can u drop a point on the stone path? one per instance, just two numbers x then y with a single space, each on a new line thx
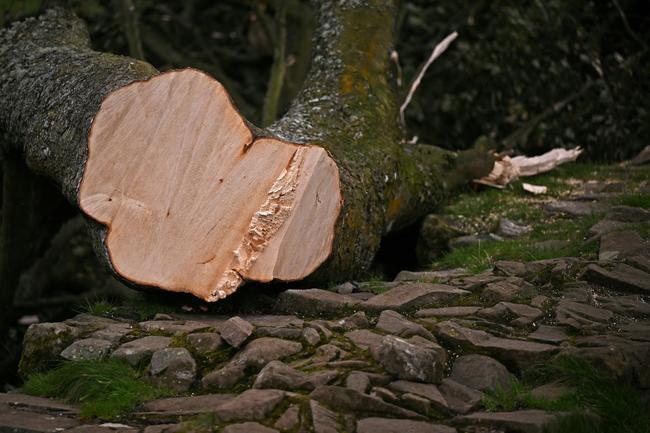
418 357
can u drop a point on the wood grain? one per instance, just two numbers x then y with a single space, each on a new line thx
193 201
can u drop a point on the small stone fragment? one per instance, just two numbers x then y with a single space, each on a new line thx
137 351
311 336
324 420
621 277
87 348
290 419
235 331
510 229
460 398
173 368
481 373
410 362
394 323
251 405
549 334
358 381
204 342
426 390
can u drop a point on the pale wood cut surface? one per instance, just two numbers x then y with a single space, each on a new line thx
195 203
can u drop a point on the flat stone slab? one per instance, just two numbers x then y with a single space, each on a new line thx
177 327
248 427
447 312
576 208
314 301
582 316
37 404
430 276
389 425
621 244
621 277
349 400
139 350
519 352
549 334
251 405
20 421
177 406
409 296
522 421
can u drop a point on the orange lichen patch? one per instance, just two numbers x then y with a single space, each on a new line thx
192 201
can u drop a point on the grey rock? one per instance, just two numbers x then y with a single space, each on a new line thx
522 421
549 334
278 375
87 348
349 400
628 214
409 361
539 301
582 316
345 288
642 263
176 327
358 381
621 244
162 316
621 277
204 342
311 336
365 339
518 352
426 390
389 425
394 323
418 404
384 394
460 398
476 282
324 420
255 355
510 268
575 208
507 290
173 368
551 391
140 350
515 314
430 276
289 420
235 331
182 406
113 333
314 301
248 427
469 240
42 344
251 405
447 311
408 296
605 226
224 377
632 305
510 229
481 373
278 332
357 320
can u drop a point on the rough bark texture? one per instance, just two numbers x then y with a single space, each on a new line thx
53 83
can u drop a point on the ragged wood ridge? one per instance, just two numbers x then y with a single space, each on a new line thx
192 201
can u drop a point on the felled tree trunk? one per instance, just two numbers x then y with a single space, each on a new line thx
184 195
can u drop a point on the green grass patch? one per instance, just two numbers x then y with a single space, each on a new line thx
636 200
104 388
618 406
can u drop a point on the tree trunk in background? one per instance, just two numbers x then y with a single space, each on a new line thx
53 85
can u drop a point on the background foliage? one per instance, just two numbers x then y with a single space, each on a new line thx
527 74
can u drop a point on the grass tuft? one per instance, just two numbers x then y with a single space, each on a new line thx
618 406
104 388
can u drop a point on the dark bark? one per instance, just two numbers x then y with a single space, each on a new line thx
53 83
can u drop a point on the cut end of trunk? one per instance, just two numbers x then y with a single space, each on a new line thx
193 201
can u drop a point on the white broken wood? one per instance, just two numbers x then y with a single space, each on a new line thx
534 189
508 169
